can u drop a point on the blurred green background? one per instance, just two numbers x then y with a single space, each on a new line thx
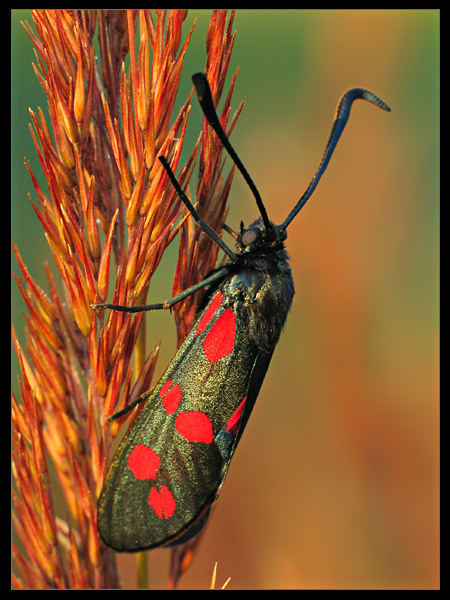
336 481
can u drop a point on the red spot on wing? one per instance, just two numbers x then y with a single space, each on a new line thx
144 462
162 502
233 421
209 313
219 340
194 426
171 396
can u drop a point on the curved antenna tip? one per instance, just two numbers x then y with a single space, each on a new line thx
339 123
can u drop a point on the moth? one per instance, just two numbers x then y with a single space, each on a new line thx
171 464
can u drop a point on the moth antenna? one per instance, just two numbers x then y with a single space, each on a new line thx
340 121
206 102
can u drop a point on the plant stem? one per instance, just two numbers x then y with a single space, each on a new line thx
139 360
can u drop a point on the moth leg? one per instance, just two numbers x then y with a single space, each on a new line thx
128 407
200 222
220 274
229 230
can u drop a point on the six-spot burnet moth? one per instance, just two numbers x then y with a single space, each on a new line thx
172 462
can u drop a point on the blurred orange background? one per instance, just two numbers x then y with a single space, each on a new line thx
336 480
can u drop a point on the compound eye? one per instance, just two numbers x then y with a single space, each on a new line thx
250 235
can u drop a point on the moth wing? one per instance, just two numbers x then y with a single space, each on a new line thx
167 469
228 437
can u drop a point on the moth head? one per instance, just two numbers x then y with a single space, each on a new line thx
258 236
